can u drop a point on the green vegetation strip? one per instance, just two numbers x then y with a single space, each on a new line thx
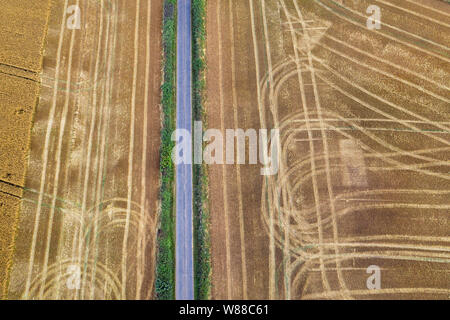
165 268
202 261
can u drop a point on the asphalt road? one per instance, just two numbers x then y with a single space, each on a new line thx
184 272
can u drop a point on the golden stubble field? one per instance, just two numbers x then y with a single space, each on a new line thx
17 104
87 226
364 118
23 28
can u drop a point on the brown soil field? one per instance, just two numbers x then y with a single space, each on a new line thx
87 226
23 28
364 177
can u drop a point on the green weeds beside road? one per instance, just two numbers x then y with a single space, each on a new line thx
165 261
202 261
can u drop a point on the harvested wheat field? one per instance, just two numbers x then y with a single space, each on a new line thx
17 101
364 176
23 28
87 226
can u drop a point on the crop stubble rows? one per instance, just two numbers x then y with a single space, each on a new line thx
22 33
364 121
91 192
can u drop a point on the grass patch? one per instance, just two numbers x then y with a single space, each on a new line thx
165 263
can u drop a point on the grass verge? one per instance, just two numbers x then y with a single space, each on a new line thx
202 261
165 263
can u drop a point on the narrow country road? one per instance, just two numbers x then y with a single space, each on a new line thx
184 272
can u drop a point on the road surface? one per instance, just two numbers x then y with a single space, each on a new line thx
184 272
